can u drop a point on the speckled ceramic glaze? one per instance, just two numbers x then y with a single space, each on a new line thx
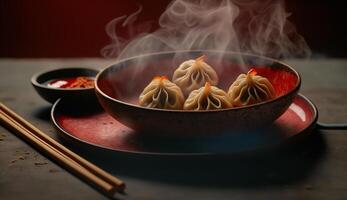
119 86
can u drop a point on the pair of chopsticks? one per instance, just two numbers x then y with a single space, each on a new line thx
89 172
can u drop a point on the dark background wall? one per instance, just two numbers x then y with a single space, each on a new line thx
55 28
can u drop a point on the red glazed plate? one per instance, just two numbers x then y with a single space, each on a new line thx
90 125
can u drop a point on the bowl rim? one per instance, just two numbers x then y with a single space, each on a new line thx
43 72
295 89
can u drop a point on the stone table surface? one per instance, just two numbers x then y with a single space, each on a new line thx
312 169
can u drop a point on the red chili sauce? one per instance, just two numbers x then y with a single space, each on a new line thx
72 82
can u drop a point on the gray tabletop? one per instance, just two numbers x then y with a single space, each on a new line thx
312 169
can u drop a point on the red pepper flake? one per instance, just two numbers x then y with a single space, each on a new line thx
252 72
160 78
82 82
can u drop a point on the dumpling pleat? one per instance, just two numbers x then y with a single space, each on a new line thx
249 89
212 99
191 76
162 94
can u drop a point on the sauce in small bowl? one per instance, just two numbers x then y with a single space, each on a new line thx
73 83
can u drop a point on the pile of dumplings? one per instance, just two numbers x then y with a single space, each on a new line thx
194 87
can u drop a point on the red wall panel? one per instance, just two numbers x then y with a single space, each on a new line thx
39 28
56 28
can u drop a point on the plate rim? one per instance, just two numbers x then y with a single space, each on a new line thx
64 133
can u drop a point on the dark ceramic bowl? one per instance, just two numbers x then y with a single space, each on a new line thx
39 81
119 86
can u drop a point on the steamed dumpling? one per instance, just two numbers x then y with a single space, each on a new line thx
162 93
250 88
207 98
193 74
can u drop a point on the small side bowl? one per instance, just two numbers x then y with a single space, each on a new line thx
51 94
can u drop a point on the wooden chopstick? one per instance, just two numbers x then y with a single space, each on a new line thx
44 147
108 177
86 170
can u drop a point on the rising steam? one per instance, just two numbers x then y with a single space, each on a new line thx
251 26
